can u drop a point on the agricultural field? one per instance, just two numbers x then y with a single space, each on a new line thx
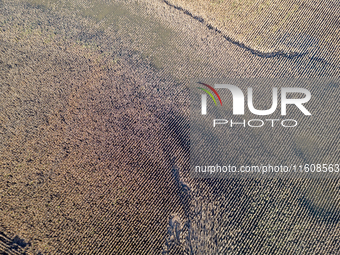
95 127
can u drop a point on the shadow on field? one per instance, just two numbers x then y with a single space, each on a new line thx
180 127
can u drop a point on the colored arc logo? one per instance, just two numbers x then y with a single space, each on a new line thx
209 93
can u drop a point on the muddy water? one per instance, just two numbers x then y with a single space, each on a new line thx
161 48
